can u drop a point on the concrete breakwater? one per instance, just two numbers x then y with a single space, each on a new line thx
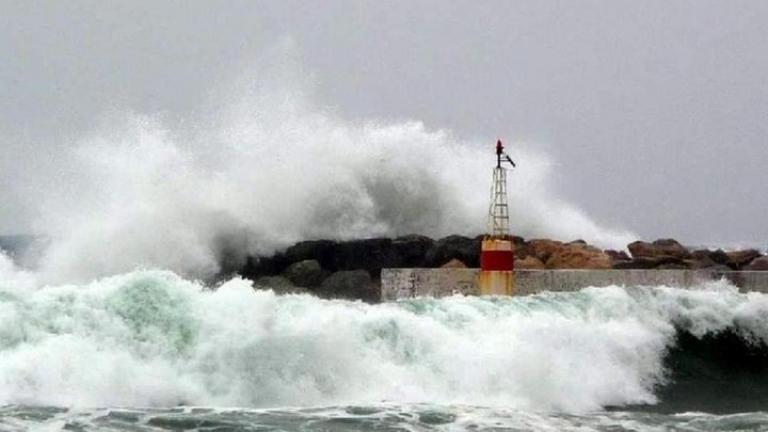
356 269
408 283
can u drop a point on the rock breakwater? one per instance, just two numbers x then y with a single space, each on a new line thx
352 269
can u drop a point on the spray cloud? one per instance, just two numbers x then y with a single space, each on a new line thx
264 167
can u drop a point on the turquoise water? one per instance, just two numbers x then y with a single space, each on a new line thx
149 350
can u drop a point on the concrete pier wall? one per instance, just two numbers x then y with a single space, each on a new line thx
405 283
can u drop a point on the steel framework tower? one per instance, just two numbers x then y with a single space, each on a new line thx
498 213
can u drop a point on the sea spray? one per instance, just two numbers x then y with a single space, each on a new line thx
152 338
262 167
12 277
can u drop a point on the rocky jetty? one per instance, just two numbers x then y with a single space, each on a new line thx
351 269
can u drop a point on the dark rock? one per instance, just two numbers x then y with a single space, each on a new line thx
700 263
464 249
529 263
307 273
412 249
661 247
251 268
671 261
369 254
352 285
706 259
719 256
700 254
256 267
758 264
641 249
645 263
673 266
543 249
520 247
671 247
517 239
742 258
322 251
617 255
635 264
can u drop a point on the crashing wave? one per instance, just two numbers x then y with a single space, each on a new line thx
152 338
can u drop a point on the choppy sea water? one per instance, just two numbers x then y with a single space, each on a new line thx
149 350
384 417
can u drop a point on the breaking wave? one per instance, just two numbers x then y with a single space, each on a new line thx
154 339
262 167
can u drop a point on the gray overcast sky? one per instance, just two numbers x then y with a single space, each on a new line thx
655 111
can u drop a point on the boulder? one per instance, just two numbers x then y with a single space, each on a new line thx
758 264
465 249
520 247
700 263
368 254
641 249
659 248
543 248
719 256
617 255
574 255
635 264
352 285
412 249
700 254
741 258
529 263
671 247
579 256
646 263
256 267
322 251
670 263
307 273
705 258
454 263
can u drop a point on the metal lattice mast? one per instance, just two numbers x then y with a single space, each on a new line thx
498 214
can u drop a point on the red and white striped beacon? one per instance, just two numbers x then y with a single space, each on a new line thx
497 256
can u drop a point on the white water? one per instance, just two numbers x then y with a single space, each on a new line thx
150 338
261 167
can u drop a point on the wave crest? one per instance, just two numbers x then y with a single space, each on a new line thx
106 343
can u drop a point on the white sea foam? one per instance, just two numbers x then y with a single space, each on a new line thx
151 338
14 278
263 167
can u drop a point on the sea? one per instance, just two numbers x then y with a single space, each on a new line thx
149 350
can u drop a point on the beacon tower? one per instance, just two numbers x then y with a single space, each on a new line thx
497 257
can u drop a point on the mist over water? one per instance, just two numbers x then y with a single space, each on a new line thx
262 166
